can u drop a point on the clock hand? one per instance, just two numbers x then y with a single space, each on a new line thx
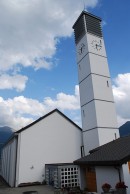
81 49
99 45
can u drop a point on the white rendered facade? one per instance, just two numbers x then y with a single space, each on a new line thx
9 155
126 176
99 121
107 174
53 139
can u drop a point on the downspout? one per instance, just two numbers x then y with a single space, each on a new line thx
119 172
16 152
82 147
17 159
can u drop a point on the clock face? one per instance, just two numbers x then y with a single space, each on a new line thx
81 48
97 45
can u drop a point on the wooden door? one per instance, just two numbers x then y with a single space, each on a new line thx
91 179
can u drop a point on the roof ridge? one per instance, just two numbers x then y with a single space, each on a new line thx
46 115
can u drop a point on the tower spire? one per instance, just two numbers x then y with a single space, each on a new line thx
83 5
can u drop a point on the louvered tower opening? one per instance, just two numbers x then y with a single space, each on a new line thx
87 23
79 29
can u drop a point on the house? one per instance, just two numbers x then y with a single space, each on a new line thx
108 163
53 138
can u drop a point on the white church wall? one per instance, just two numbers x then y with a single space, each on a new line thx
90 140
82 178
51 140
87 87
95 87
110 135
126 176
88 116
106 114
83 69
102 88
9 162
97 105
106 175
99 65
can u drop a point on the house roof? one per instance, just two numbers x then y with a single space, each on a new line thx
43 117
116 152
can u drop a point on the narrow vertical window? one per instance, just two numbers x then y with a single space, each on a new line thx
107 84
83 113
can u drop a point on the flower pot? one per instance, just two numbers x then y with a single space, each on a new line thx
106 190
121 191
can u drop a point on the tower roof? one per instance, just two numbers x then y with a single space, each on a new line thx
88 14
87 23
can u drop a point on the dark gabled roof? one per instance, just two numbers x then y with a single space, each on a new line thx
43 117
116 152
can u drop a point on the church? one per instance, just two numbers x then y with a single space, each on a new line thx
55 149
52 139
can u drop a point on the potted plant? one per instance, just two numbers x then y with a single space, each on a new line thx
106 187
121 187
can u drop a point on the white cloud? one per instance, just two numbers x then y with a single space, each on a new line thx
64 101
17 82
29 30
20 111
121 91
29 34
104 23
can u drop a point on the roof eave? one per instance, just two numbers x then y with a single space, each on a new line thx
98 163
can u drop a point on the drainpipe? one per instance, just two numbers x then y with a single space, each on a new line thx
82 147
119 172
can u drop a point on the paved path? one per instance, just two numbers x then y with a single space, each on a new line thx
41 189
2 183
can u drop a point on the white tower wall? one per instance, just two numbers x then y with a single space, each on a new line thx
97 105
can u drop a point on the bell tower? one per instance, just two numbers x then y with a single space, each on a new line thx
98 113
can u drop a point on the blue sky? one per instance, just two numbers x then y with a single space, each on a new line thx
38 70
